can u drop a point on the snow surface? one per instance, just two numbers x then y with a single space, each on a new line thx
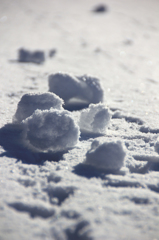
47 195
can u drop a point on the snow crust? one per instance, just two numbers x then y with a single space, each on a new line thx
51 130
85 88
106 156
95 119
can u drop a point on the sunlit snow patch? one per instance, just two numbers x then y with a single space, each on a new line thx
53 130
33 101
73 89
95 119
108 156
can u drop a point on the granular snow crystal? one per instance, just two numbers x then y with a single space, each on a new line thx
53 130
95 119
33 101
108 156
84 88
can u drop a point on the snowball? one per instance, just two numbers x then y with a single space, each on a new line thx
37 57
32 101
95 119
85 88
52 129
107 156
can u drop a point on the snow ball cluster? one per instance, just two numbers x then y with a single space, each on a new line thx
51 130
95 119
47 125
68 87
32 101
108 156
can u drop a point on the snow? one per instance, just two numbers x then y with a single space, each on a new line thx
95 119
51 130
52 195
85 88
37 57
33 101
107 156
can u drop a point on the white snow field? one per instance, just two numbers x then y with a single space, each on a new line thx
83 165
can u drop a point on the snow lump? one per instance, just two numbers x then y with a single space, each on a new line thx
51 130
84 88
95 119
107 156
26 56
33 101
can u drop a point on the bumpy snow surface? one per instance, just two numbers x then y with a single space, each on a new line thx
79 129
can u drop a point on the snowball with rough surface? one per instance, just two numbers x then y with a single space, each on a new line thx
85 88
33 101
52 129
107 156
95 119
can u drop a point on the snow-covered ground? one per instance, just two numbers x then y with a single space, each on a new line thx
107 185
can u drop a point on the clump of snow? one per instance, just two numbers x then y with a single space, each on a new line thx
37 57
33 101
52 129
100 8
108 156
95 119
68 87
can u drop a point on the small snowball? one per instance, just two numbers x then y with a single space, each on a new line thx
107 156
52 129
33 101
37 57
85 88
95 119
52 53
100 8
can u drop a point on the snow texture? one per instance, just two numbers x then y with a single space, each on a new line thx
71 195
27 56
107 156
70 88
95 119
52 129
33 101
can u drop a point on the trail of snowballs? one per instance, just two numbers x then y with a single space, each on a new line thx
49 127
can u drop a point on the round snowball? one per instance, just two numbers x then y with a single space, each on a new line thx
52 129
33 101
108 156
